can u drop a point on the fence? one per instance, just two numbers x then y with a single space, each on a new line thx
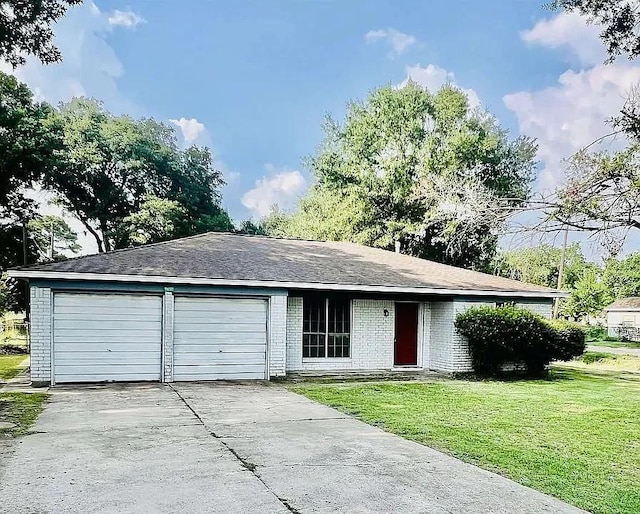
627 333
14 333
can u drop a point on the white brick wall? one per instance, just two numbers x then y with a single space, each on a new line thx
294 334
424 335
372 335
41 329
167 335
277 335
450 351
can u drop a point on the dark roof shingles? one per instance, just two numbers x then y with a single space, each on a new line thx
238 257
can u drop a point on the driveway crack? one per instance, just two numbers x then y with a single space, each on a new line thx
250 466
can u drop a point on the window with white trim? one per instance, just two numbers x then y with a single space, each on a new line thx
326 327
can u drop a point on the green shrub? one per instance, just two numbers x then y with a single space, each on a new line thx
596 333
569 340
504 335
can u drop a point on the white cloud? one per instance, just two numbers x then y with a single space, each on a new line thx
569 31
399 41
572 113
433 77
280 188
90 65
191 129
127 18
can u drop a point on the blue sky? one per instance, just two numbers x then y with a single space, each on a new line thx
254 79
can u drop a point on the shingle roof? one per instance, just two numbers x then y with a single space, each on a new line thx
631 303
256 258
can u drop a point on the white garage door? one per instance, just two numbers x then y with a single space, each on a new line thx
219 338
106 337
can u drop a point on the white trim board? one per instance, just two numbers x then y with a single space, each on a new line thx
159 279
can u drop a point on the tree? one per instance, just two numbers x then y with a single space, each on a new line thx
30 137
157 220
25 28
375 171
622 277
601 195
619 19
540 265
589 296
112 163
48 229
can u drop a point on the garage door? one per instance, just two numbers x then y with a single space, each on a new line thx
106 337
219 338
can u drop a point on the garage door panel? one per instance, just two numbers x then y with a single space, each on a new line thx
112 324
196 359
221 305
227 348
107 377
216 338
108 368
141 358
107 337
212 338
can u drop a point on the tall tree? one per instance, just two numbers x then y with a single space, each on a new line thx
619 18
53 237
540 265
622 277
30 139
375 173
25 28
112 163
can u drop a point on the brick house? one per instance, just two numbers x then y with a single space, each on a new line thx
225 306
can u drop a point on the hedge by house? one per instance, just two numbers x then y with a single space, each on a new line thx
500 336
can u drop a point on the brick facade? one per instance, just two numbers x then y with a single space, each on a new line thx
277 335
168 304
41 332
372 335
441 348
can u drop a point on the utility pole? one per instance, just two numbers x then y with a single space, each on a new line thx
556 305
25 261
53 241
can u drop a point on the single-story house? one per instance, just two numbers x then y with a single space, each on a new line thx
623 318
226 306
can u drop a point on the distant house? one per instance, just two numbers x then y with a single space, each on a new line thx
224 306
623 318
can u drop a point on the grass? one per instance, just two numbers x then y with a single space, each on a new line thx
21 409
574 435
601 361
611 343
10 365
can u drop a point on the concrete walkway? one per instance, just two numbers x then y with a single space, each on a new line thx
235 448
615 350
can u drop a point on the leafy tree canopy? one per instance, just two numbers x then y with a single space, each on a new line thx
619 18
622 277
376 172
48 229
25 29
540 265
30 137
113 163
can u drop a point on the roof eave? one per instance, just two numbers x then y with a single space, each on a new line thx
155 279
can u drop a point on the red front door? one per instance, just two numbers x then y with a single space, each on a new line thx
406 343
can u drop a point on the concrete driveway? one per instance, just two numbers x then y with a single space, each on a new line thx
235 448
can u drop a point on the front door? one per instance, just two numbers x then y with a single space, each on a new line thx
406 341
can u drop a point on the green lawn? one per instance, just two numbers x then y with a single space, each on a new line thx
614 344
575 435
10 365
21 409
